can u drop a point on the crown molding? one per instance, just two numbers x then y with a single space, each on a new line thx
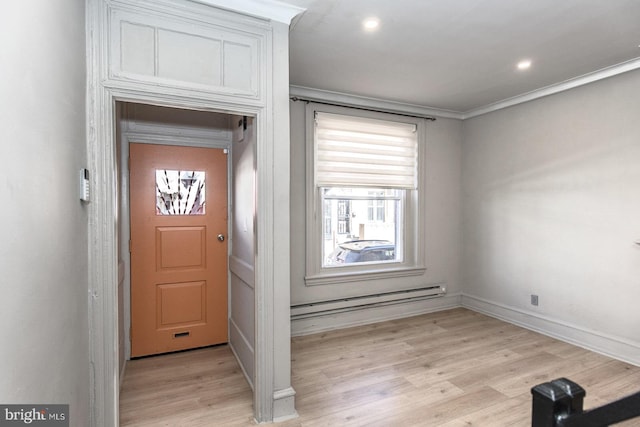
349 100
399 107
555 88
266 9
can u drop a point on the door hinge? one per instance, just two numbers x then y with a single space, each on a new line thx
129 245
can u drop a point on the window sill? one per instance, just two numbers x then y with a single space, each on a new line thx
357 276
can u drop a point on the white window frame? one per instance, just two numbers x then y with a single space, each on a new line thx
412 263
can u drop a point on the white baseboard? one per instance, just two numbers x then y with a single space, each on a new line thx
284 405
242 350
606 344
122 371
373 314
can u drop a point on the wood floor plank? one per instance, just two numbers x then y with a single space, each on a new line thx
454 368
503 414
182 388
517 384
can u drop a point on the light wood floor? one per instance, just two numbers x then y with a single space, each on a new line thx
453 368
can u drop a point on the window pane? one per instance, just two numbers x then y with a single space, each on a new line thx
180 192
362 225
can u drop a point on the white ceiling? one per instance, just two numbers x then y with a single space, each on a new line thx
457 55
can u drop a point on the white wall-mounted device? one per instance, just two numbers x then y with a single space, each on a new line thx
84 185
239 130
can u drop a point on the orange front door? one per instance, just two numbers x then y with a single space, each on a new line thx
178 203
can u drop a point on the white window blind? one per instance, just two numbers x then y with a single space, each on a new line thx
355 151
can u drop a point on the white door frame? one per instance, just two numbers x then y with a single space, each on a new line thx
273 395
103 258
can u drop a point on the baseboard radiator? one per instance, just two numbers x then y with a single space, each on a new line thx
323 308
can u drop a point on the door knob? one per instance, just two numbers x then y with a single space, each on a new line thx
221 237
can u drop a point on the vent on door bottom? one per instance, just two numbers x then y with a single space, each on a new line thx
181 334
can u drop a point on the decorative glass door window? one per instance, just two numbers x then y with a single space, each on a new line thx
180 192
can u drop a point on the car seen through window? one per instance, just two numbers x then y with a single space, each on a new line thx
362 251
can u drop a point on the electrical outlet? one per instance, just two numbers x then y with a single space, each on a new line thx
534 299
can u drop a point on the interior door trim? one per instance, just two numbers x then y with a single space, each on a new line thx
271 112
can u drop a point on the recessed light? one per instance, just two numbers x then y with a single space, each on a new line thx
524 64
371 24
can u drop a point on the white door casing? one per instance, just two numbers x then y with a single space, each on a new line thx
263 93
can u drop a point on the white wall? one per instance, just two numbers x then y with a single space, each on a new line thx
43 249
242 260
551 206
441 221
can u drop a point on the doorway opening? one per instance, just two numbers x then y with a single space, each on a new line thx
178 305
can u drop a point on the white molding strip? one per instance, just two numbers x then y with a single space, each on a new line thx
243 270
265 9
245 353
359 276
219 137
608 345
555 88
184 141
372 314
366 102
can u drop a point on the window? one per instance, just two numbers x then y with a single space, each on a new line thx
363 171
362 218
